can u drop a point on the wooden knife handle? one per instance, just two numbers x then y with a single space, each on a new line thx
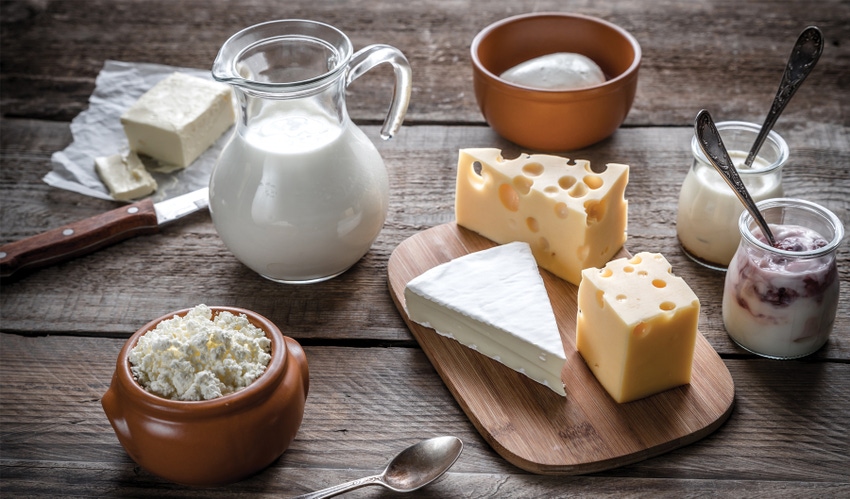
78 238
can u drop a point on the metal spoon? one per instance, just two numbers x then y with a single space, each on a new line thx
803 58
712 146
411 469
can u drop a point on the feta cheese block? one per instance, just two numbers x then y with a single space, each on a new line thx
493 301
572 217
179 118
637 326
125 176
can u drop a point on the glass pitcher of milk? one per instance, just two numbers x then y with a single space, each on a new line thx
299 193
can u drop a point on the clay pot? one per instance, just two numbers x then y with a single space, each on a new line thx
554 120
218 441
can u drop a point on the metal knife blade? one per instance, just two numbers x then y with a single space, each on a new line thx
86 236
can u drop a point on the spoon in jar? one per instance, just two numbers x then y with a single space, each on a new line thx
712 146
412 469
803 58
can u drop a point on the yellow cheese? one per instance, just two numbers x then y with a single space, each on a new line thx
571 217
636 327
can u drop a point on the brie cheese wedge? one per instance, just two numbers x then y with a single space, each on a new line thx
493 301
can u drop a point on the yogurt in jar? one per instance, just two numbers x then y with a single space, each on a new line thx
780 302
708 209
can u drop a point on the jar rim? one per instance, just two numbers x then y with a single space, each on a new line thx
225 66
837 227
772 136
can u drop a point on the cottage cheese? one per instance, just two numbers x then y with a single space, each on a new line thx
200 356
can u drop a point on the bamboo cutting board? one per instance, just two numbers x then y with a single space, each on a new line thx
531 426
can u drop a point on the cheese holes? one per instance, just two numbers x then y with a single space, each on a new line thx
532 224
533 169
667 306
593 181
476 167
582 253
600 298
578 191
621 298
550 190
509 197
606 272
595 211
628 269
566 182
641 330
659 283
636 260
544 244
561 210
522 184
643 273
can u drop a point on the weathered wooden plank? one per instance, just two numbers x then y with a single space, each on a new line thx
59 480
786 426
52 51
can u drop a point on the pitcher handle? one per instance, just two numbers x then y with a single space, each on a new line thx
369 57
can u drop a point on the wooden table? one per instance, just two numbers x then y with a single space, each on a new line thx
372 390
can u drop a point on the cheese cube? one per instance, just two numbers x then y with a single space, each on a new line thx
572 217
179 118
637 326
125 176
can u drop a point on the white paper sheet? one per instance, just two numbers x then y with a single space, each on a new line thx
97 132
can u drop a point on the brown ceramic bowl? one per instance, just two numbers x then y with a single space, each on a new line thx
218 441
554 120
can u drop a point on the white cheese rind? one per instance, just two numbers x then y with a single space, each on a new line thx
493 301
125 176
179 118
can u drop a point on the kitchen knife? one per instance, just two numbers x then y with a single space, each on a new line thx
86 236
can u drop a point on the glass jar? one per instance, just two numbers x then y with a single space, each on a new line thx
780 302
708 211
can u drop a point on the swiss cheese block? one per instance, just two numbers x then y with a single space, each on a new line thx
125 176
493 301
179 118
636 326
572 217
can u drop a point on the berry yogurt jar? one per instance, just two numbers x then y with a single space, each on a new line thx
780 301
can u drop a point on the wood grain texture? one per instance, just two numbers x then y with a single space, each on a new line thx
374 391
527 423
371 402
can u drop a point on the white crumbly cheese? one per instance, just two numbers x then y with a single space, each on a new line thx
125 176
494 301
179 118
200 356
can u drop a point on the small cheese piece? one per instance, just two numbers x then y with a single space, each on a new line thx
125 176
572 217
179 118
637 326
493 301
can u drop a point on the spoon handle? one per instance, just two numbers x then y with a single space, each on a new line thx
804 56
343 487
712 145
